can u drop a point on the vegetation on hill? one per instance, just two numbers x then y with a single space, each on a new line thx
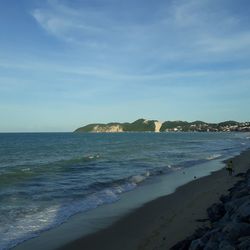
169 125
139 126
142 125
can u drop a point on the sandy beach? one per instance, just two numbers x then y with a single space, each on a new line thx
167 220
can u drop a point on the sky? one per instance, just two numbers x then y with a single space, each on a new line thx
67 63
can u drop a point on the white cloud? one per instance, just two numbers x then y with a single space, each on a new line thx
236 42
184 26
184 32
203 28
71 25
52 24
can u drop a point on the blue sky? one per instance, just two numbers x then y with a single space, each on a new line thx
67 63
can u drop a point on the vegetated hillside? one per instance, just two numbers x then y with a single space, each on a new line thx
228 123
100 127
171 125
139 125
142 125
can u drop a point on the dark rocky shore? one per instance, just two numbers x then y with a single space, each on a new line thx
229 222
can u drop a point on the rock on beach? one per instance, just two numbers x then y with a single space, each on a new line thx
229 219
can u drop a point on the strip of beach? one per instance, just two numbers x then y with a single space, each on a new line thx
162 223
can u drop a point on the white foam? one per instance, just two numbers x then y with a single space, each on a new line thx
214 156
25 169
26 227
94 156
139 178
32 225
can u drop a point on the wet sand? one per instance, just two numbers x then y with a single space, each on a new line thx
163 222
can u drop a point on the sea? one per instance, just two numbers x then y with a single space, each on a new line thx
46 178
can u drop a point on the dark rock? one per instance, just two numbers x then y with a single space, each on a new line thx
234 230
241 175
248 183
216 237
211 235
238 186
244 245
197 245
243 212
226 245
243 192
241 239
200 232
216 211
225 198
211 245
230 222
233 205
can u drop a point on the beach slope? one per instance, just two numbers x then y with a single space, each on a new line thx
162 223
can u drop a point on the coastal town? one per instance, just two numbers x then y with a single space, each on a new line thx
230 126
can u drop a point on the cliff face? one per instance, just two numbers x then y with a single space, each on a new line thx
158 126
107 128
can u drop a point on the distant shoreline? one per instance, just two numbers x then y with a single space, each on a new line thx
143 125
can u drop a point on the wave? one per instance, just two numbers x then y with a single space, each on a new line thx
18 173
68 162
139 178
31 225
77 160
213 156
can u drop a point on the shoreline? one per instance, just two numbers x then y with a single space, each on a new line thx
163 222
97 224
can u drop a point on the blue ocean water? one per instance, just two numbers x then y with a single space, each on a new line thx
47 177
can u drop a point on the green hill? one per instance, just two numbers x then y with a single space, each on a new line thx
142 125
139 125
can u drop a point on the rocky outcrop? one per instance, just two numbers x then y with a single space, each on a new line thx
230 222
107 129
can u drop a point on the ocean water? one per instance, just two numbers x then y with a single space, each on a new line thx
45 178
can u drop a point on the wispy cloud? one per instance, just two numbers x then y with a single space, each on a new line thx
71 25
190 30
211 29
112 75
228 44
